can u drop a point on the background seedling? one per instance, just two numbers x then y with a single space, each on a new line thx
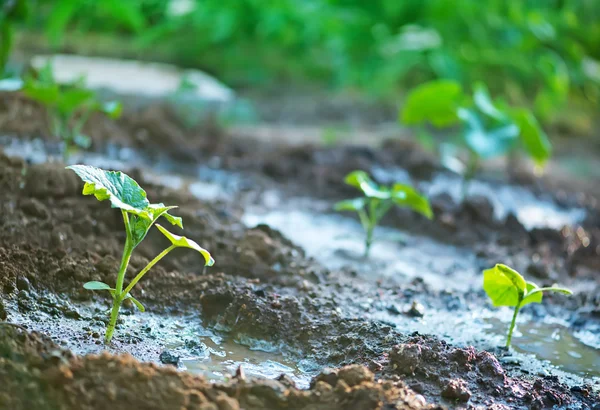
69 107
488 128
506 287
378 200
138 215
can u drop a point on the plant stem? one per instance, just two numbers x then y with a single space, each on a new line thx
512 324
118 298
146 269
368 240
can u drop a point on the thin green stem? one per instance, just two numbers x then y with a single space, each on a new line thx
117 300
513 323
146 269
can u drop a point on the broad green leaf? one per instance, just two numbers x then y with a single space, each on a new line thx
362 181
47 94
95 285
62 12
532 136
120 189
136 302
351 204
406 196
73 99
435 102
503 285
535 297
183 242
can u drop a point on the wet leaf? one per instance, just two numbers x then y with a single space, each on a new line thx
141 224
435 102
484 103
531 297
487 143
183 242
113 109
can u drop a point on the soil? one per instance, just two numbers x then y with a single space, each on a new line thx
265 286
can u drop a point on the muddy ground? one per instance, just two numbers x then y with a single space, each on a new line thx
368 335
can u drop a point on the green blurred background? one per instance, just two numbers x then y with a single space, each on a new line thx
544 54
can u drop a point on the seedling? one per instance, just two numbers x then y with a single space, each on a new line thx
489 128
378 200
506 287
69 107
138 215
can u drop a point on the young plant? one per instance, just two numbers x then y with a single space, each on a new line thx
378 200
489 129
138 215
506 287
69 107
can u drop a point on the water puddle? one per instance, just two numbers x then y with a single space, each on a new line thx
338 241
552 341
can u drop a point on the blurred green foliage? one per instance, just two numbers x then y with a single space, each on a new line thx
535 51
488 128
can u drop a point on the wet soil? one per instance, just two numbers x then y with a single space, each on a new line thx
270 289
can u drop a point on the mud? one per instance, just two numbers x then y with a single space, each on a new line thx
283 283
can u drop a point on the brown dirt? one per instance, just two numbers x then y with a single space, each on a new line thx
52 239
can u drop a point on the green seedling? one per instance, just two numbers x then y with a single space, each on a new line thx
378 200
489 128
506 287
69 107
138 215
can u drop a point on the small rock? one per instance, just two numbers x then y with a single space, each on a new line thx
286 381
355 374
416 310
3 314
33 207
457 389
393 309
168 357
23 283
417 387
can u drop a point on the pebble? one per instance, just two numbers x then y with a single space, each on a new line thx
416 310
168 357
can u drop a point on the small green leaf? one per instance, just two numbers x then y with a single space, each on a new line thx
504 285
95 285
136 302
530 295
435 102
362 181
350 204
113 109
484 103
183 242
406 196
121 190
141 224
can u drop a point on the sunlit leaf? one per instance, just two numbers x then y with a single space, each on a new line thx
95 285
435 102
136 302
532 136
503 285
183 242
362 181
120 189
407 196
350 204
